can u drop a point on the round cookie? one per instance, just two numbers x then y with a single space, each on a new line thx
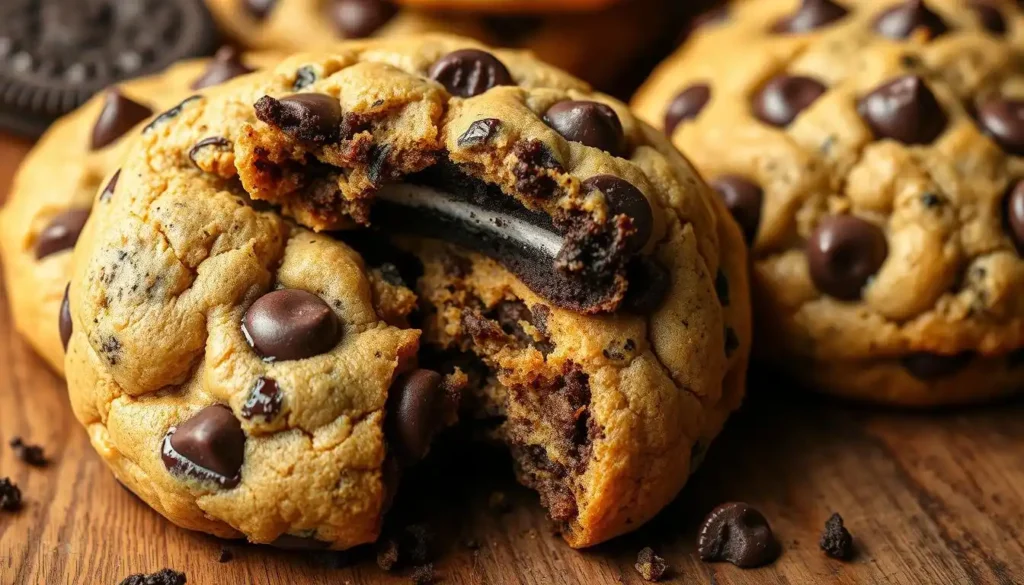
55 185
576 42
573 280
871 151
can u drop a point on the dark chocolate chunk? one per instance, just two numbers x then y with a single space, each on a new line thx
61 233
108 191
259 9
744 200
930 366
170 114
226 555
902 20
210 446
10 495
469 72
64 321
30 454
164 577
226 64
264 400
843 253
313 117
722 288
686 105
624 199
990 16
1003 120
782 99
811 15
650 566
589 123
836 540
903 109
304 77
736 533
218 142
648 284
291 324
416 412
119 115
479 132
1014 214
357 19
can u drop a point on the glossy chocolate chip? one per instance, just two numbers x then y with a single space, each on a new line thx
782 99
226 64
905 110
625 199
686 105
990 16
929 366
264 400
357 19
1003 120
61 233
291 324
739 534
108 191
469 72
479 132
313 117
64 321
843 253
119 115
744 200
259 9
811 15
589 123
900 21
210 446
417 412
215 142
170 114
1014 214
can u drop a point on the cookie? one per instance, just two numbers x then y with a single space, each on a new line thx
871 152
56 55
576 42
53 191
299 274
512 6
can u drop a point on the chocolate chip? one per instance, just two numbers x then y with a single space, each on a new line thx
782 99
1014 214
357 19
64 321
739 534
469 72
226 64
304 77
30 454
210 446
293 542
108 191
902 20
1003 120
686 105
589 123
313 117
650 566
648 285
812 14
479 132
259 9
164 577
264 400
416 412
623 198
170 114
218 142
930 366
61 233
836 540
119 115
291 324
10 495
989 15
226 555
743 199
905 110
732 342
722 288
843 253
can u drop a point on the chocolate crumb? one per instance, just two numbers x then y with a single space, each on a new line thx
423 575
226 555
31 454
164 577
10 495
836 540
650 566
387 554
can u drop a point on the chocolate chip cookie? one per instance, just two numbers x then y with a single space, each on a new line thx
871 152
53 191
301 277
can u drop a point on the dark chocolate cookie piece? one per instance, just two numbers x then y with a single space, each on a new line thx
55 54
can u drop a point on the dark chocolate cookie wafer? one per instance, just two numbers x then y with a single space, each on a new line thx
55 54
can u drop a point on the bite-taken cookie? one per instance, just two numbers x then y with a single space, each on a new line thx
489 228
54 55
577 42
54 188
872 153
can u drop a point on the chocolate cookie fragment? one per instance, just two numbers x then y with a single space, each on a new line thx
836 540
210 446
10 495
163 577
650 566
738 534
30 454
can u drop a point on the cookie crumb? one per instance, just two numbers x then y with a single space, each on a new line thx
10 495
226 555
836 540
164 577
387 555
650 566
30 454
423 575
498 502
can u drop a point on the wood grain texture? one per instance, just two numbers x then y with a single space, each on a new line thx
931 499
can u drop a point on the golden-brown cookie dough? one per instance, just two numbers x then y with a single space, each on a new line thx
871 150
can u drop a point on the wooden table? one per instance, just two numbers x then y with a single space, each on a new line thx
933 499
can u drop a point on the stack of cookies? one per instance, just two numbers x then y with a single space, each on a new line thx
272 280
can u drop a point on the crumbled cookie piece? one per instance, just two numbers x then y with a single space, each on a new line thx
650 566
836 540
739 534
226 555
30 454
163 577
10 495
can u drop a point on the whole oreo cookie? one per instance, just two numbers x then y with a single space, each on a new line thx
55 54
